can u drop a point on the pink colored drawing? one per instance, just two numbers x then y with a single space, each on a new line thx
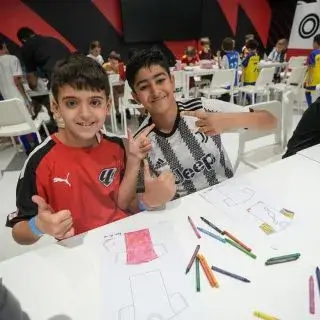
139 247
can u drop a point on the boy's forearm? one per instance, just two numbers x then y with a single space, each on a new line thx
128 186
22 233
261 120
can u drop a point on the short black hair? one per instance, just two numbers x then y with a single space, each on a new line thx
227 44
145 59
114 55
2 45
94 44
316 39
252 44
79 72
24 33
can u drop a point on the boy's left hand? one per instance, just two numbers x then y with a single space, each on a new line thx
139 146
211 123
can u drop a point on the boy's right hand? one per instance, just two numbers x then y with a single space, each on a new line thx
56 224
158 190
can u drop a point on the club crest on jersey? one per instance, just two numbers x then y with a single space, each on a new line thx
107 175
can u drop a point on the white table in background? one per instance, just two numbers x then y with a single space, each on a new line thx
196 71
312 153
64 279
38 93
270 64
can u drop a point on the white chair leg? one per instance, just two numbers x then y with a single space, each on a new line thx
13 142
38 136
45 129
252 98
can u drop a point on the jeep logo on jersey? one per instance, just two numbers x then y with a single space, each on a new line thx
206 162
107 175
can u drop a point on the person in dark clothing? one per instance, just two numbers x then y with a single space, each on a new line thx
307 133
40 53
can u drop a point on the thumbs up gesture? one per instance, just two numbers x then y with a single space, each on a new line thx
158 190
56 224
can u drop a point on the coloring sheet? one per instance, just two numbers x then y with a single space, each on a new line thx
246 202
143 276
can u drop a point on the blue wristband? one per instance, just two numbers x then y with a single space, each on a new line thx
33 227
141 205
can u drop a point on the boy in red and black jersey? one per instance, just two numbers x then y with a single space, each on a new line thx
79 179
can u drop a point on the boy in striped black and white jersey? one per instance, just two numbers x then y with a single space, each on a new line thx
186 138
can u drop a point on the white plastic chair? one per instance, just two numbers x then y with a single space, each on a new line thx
222 82
263 82
246 136
294 62
15 120
179 83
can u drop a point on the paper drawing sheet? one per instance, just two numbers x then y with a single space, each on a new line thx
246 202
143 276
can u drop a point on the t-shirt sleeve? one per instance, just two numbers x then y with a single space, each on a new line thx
27 186
16 68
224 62
245 61
311 59
215 105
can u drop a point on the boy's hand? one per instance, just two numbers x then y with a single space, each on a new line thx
139 146
57 225
212 123
158 190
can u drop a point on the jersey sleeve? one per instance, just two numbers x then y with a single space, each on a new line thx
245 61
311 59
224 62
27 186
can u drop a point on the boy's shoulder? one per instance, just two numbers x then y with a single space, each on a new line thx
113 140
190 104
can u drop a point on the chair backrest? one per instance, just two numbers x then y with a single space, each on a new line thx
223 78
295 62
265 77
297 75
273 107
178 78
127 92
287 116
14 112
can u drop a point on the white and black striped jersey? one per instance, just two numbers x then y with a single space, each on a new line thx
198 161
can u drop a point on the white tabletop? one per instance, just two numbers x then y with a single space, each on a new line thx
65 279
312 153
269 64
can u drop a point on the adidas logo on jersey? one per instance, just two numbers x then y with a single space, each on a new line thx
205 163
160 163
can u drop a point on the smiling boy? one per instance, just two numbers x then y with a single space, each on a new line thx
79 179
180 141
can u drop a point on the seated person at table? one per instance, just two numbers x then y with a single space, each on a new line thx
95 52
116 66
190 58
278 54
205 52
231 59
313 75
307 132
190 148
79 179
250 64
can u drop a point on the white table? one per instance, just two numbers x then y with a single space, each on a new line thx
65 279
270 64
196 72
38 93
312 153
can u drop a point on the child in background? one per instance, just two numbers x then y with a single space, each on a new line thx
190 58
116 66
250 64
205 52
95 52
231 59
245 51
313 74
278 54
79 179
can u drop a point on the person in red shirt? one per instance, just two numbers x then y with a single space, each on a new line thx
205 52
190 58
79 179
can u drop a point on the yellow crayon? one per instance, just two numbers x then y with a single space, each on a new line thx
264 316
